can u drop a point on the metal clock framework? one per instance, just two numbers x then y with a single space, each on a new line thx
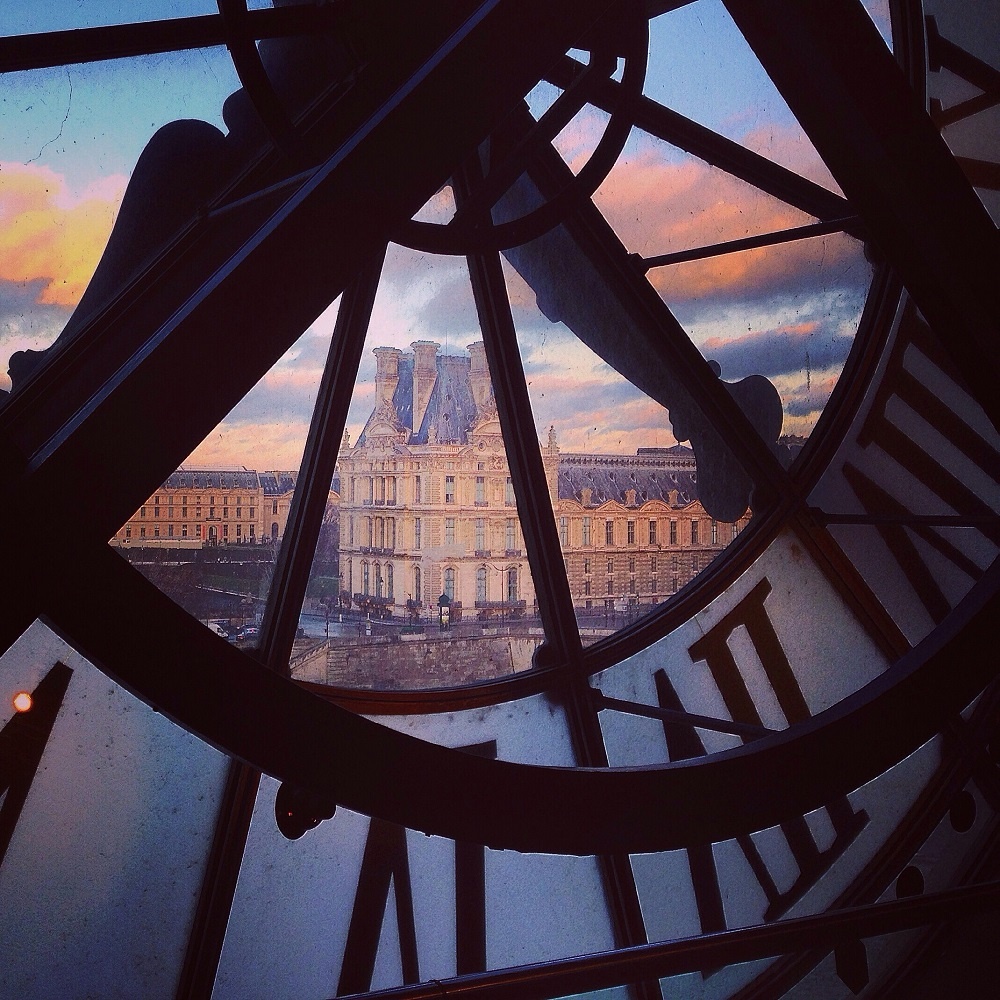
742 740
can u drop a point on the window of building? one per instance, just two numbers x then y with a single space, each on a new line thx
211 512
274 507
509 536
586 565
416 584
564 531
274 531
652 564
128 531
449 583
142 531
239 530
365 583
378 579
586 588
695 564
586 531
449 531
389 574
156 531
449 489
481 584
652 532
715 532
251 513
184 511
673 585
416 489
609 532
390 532
170 531
611 565
508 497
673 564
654 586
694 531
631 586
142 512
184 531
370 531
673 532
610 587
239 511
631 532
170 511
631 564
379 533
156 512
512 584
391 491
225 531
416 533
480 489
480 534
253 528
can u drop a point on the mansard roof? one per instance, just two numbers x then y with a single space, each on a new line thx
277 483
212 479
653 473
451 409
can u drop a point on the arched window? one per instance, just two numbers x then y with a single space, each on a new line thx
378 580
274 530
416 584
364 578
481 584
388 581
512 584
449 583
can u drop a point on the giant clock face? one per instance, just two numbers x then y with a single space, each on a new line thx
808 725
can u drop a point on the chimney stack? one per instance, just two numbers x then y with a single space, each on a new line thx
386 373
479 374
424 377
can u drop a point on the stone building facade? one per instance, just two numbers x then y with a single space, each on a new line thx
427 504
197 507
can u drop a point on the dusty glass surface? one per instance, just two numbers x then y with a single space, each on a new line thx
105 859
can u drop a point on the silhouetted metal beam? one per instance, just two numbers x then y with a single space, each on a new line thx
121 41
854 102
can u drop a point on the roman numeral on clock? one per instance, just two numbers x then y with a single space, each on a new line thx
22 743
385 864
949 462
683 742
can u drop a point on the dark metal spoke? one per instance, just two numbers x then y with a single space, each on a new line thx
121 41
751 242
333 399
745 730
715 149
854 102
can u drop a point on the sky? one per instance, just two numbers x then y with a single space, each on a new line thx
69 138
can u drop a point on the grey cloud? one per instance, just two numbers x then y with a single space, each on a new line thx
779 352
